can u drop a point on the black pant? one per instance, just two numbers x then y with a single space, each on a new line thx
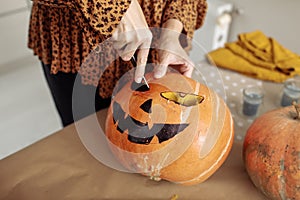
72 99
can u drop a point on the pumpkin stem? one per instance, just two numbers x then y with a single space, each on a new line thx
297 107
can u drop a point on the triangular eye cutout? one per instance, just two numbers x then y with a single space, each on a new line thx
146 106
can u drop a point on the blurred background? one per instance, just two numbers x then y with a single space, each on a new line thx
27 112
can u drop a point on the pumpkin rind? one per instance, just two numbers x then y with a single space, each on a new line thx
271 154
189 157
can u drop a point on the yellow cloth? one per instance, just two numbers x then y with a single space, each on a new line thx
256 55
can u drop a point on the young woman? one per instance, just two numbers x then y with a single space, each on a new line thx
63 33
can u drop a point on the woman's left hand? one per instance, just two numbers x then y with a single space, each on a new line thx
171 53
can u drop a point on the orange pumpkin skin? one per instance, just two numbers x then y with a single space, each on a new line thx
271 154
191 156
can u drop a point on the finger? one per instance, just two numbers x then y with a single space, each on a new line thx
188 68
127 56
142 57
160 70
138 39
183 65
125 46
118 37
188 71
128 51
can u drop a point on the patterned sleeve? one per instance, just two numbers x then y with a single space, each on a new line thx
98 18
190 12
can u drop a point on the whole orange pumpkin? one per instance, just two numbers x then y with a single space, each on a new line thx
271 153
177 129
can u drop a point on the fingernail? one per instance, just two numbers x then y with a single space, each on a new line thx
126 58
138 80
158 74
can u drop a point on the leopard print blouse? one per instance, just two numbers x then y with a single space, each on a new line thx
66 34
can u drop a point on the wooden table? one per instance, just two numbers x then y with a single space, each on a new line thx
60 167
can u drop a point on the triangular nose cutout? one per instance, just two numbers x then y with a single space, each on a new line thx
146 106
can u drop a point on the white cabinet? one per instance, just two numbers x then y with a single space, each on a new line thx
14 20
214 32
8 6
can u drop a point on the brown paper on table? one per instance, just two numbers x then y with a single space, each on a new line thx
59 167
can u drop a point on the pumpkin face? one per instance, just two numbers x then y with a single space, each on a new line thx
177 129
272 154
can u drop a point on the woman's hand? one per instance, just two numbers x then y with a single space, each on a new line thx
133 35
171 53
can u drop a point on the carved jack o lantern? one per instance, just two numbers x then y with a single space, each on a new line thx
177 129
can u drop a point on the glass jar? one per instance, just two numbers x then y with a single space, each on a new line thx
291 92
252 99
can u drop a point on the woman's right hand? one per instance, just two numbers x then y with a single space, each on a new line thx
133 35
